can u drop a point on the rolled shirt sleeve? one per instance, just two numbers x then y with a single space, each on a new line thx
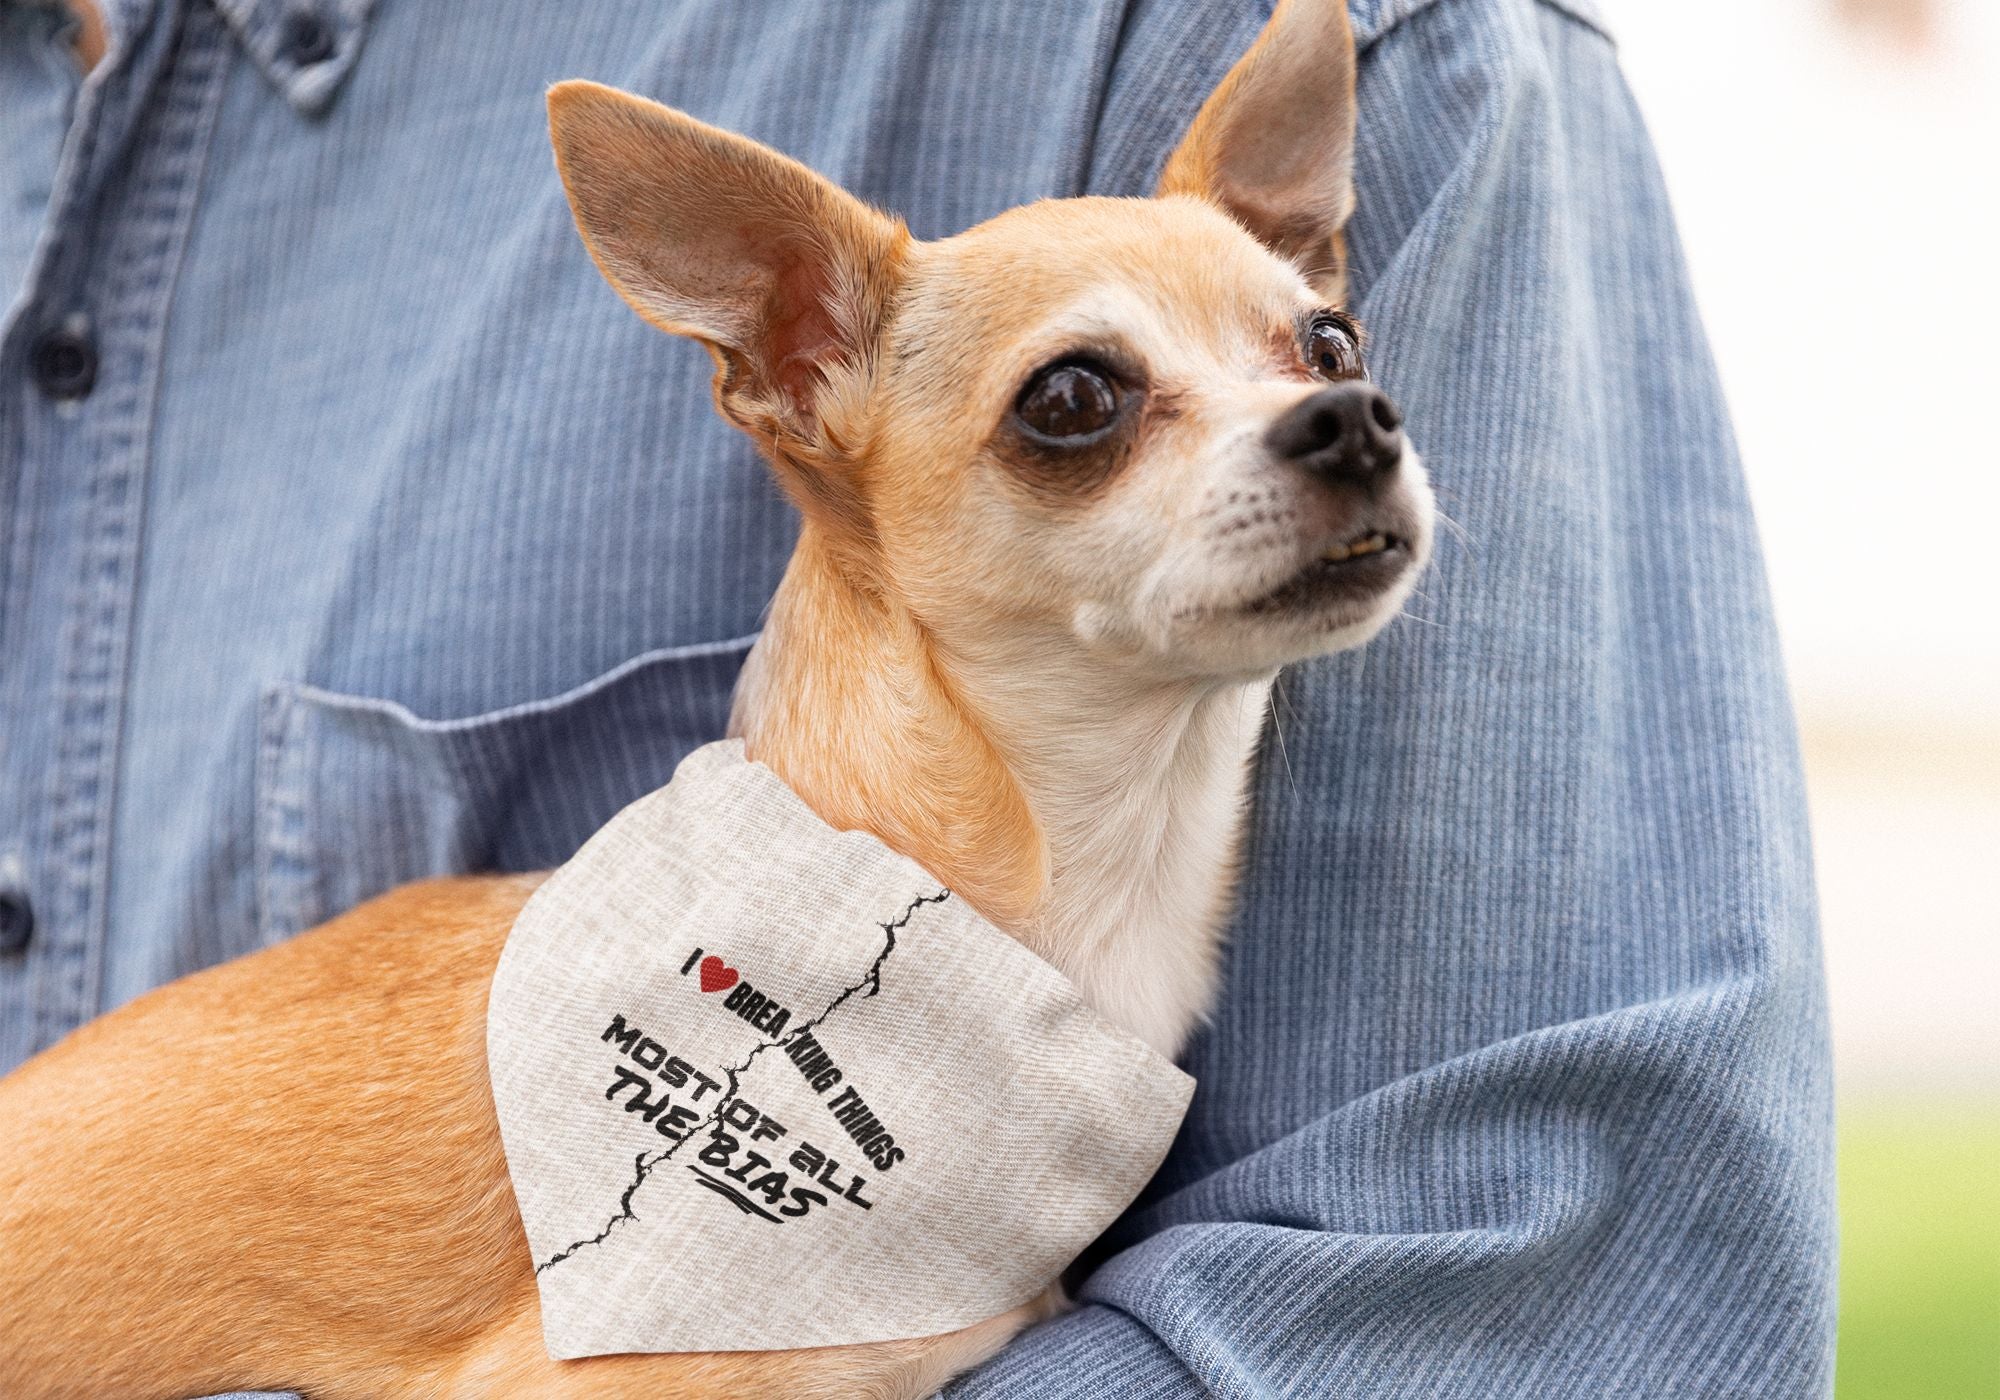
1519 1082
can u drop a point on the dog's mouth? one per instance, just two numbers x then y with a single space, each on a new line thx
1352 571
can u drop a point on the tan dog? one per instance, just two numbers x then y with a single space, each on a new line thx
1075 484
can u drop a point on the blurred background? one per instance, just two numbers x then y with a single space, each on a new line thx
1836 168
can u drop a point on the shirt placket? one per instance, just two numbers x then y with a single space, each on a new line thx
84 352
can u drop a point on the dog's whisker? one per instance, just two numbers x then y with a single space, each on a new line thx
1464 535
1278 728
1461 534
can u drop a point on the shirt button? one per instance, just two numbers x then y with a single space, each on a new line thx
64 360
308 38
17 921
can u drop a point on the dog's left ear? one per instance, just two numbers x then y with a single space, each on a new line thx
1274 144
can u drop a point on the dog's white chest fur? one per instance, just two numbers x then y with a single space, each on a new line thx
1145 855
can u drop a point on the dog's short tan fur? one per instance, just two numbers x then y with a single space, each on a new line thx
1044 690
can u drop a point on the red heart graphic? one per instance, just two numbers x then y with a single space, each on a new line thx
716 975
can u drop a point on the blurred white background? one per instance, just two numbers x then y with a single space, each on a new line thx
1835 165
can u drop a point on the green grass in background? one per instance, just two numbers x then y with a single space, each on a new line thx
1919 1251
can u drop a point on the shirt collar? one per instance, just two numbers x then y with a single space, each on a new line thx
304 48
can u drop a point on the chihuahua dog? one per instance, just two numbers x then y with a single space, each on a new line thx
1074 485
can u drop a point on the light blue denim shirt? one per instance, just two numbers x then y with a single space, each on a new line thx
353 531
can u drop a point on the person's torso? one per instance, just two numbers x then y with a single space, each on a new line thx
354 531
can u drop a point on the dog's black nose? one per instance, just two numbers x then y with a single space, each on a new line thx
1346 432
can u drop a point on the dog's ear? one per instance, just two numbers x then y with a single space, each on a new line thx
1274 144
783 275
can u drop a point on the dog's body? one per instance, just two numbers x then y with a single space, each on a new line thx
1072 492
309 1192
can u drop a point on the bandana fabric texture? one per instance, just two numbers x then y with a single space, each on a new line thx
763 1084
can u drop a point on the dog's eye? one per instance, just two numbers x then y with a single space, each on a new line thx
1068 402
1333 349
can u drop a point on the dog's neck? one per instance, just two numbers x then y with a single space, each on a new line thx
1091 814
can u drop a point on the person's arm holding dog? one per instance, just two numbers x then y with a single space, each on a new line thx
1519 1084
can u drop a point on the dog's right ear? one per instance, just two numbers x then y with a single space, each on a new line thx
1274 144
783 275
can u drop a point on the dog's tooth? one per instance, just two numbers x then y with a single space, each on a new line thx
1338 553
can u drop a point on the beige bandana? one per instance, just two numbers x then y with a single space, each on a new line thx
764 1084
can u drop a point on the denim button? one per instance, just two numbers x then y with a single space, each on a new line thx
17 921
308 38
64 361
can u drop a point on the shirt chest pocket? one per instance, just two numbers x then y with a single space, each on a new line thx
357 795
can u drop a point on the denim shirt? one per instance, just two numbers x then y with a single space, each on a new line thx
353 532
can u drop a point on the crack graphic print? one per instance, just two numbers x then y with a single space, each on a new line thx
869 984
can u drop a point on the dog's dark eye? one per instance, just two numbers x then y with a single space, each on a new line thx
1068 402
1333 349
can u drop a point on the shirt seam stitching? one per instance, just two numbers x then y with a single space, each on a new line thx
1572 10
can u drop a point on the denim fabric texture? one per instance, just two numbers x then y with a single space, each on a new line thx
387 542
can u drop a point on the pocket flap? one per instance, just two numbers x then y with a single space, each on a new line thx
357 795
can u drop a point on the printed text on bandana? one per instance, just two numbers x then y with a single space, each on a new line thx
765 1168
